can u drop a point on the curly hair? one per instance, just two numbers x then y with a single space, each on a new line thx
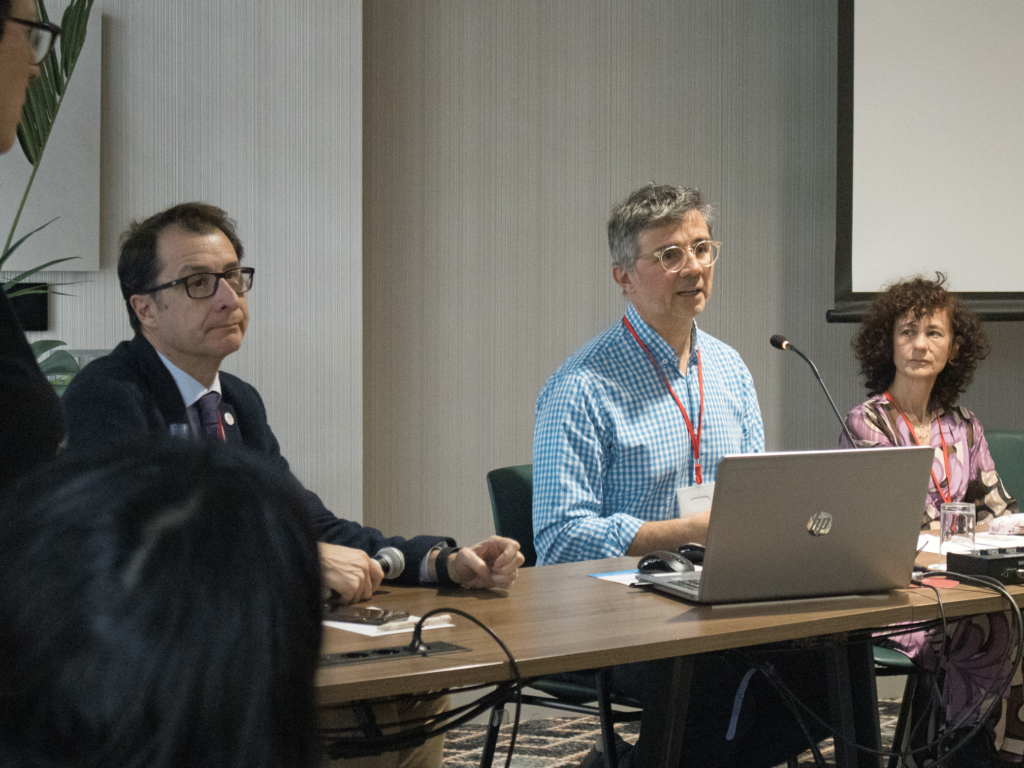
873 344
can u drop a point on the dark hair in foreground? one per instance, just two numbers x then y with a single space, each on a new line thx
654 205
138 266
873 344
159 608
5 14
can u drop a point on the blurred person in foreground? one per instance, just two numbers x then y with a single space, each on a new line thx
31 428
918 348
159 608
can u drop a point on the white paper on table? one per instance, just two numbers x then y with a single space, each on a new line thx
995 540
392 627
619 577
626 578
929 542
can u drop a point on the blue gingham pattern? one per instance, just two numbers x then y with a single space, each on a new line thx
610 446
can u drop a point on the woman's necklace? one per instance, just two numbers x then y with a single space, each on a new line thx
924 432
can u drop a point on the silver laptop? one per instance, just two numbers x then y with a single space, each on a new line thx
809 524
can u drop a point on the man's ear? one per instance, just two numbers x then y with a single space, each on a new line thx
624 279
145 308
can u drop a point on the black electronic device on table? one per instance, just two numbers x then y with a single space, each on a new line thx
692 552
1005 564
356 614
662 561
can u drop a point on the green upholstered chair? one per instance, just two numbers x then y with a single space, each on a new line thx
890 663
1008 453
511 490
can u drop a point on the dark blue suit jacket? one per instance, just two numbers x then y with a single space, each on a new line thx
130 396
31 429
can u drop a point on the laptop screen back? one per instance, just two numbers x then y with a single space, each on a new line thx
815 523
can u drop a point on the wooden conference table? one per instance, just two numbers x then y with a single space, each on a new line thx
558 619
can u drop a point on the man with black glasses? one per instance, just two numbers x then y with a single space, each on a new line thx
185 290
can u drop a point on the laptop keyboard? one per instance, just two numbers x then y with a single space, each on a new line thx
683 578
688 583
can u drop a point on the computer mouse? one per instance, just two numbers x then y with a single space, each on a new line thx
664 562
692 552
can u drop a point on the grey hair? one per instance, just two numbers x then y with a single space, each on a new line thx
650 206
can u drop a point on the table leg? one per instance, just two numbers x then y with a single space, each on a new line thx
853 704
664 713
864 693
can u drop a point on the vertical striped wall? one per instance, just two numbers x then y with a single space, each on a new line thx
255 106
498 134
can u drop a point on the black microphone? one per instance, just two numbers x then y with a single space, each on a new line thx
781 342
392 561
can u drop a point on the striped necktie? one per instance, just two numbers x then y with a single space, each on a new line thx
209 417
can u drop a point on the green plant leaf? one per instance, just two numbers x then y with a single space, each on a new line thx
11 249
59 363
40 348
28 273
62 293
73 23
28 290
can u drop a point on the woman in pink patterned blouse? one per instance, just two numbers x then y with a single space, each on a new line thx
918 348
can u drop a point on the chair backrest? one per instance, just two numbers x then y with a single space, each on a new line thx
511 490
1008 453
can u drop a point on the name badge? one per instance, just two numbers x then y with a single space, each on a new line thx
691 499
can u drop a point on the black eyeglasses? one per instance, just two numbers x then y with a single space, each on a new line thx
202 285
42 36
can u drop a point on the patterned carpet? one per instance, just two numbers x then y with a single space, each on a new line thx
563 742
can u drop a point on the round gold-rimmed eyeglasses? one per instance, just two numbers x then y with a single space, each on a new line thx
673 258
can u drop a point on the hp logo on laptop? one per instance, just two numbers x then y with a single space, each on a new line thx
819 524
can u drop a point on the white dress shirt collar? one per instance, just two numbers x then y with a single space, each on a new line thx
190 389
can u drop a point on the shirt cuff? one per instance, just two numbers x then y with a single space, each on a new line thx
424 570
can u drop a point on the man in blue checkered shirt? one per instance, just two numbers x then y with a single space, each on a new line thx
645 406
641 411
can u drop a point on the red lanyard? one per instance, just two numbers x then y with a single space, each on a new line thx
694 436
947 496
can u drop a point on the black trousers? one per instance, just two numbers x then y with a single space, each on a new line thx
727 728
